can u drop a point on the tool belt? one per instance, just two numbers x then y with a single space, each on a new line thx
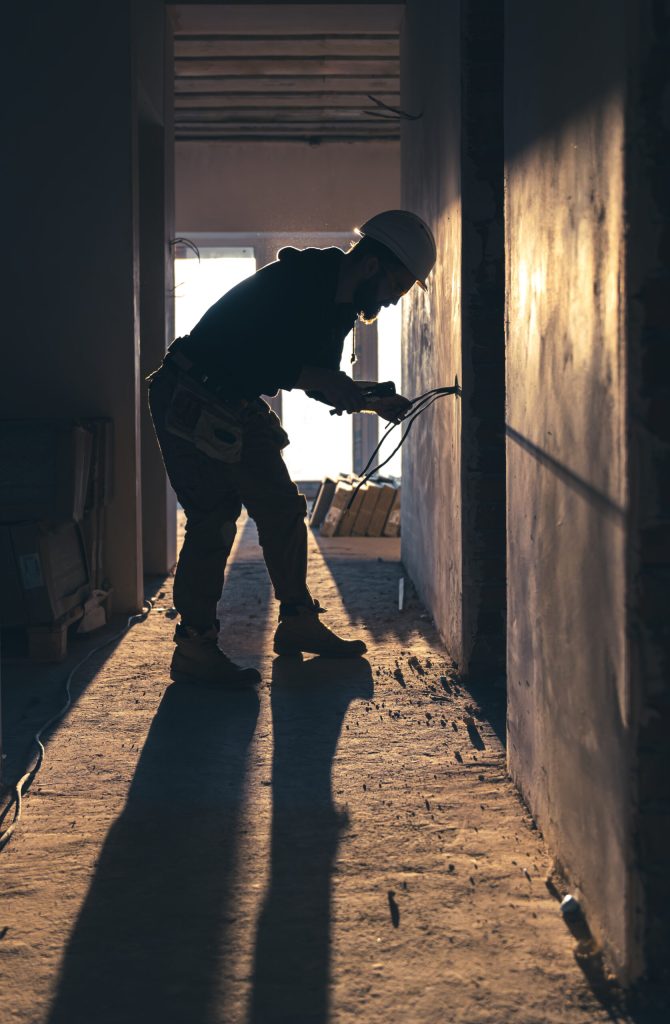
211 427
178 362
200 413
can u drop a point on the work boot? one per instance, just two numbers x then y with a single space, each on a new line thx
198 658
300 630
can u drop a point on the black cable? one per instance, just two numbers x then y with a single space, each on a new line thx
188 244
410 422
387 433
27 779
417 406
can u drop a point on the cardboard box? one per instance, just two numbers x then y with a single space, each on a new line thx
322 502
392 525
381 510
368 505
45 574
350 515
337 506
44 470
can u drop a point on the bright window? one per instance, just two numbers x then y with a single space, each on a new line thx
199 283
321 444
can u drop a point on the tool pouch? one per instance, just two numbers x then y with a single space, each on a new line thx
212 427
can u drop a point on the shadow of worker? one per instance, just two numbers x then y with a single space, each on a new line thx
147 944
291 977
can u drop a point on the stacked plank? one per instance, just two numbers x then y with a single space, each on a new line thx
55 479
343 509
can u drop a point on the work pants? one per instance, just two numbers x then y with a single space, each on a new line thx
212 493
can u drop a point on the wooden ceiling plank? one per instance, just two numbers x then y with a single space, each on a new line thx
305 126
286 66
342 135
271 115
289 47
260 101
227 84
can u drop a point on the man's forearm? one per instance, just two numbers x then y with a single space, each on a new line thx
309 379
333 387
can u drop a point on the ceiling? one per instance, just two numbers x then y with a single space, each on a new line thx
288 72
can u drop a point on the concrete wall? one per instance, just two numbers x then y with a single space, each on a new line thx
79 295
569 714
431 507
277 186
70 173
585 377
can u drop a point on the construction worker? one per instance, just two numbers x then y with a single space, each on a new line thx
284 327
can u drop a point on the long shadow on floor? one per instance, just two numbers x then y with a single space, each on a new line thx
146 947
362 582
291 978
33 691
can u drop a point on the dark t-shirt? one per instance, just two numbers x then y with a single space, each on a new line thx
259 335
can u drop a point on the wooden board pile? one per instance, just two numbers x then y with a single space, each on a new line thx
374 512
55 482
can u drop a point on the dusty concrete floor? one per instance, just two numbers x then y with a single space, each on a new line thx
342 846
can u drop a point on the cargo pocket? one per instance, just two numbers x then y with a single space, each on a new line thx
211 428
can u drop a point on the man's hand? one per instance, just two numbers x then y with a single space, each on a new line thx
336 387
391 407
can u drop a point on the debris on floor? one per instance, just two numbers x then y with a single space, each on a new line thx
342 845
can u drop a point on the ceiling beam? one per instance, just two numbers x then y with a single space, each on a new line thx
231 84
290 101
270 115
285 66
295 46
313 140
287 18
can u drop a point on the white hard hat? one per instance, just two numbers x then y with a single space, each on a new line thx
408 237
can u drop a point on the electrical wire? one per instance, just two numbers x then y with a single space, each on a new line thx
188 244
27 779
417 406
387 113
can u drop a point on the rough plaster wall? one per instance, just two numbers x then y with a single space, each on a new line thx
566 471
72 318
277 186
431 507
648 277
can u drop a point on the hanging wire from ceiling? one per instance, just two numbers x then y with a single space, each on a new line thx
387 113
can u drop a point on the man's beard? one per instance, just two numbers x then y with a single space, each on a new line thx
366 299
